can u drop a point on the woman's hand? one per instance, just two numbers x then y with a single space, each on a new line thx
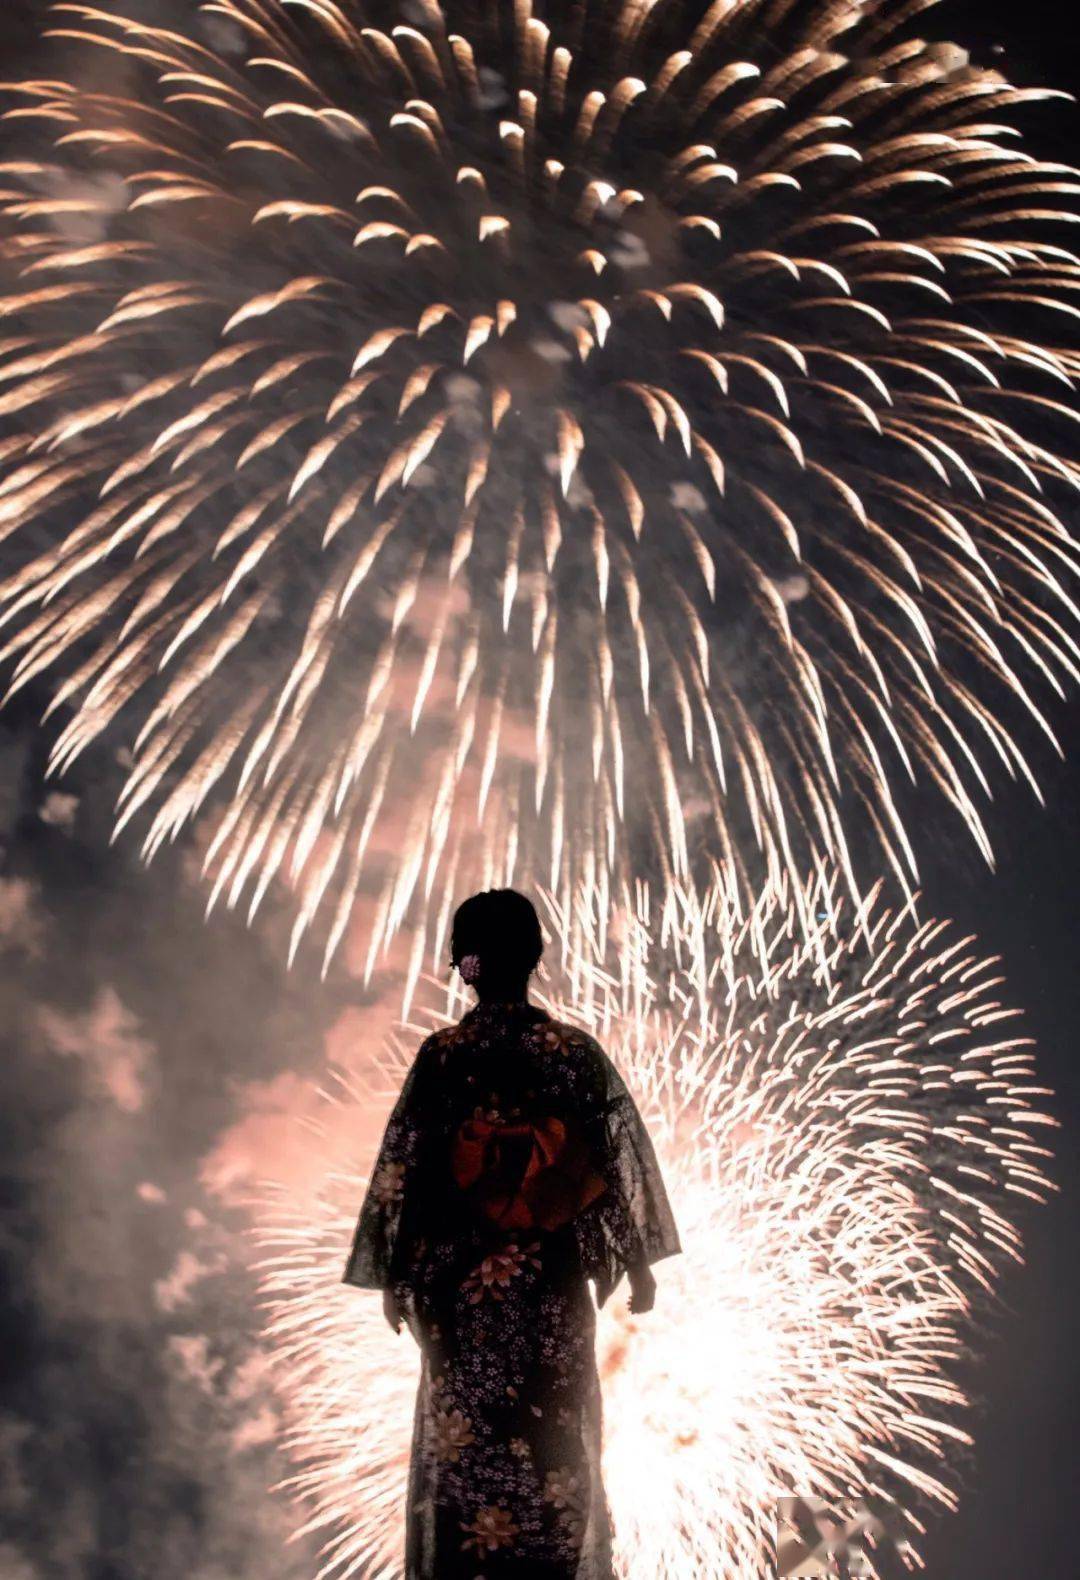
642 1289
390 1310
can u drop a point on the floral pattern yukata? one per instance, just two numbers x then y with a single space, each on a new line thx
515 1167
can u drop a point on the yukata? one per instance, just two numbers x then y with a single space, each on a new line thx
515 1167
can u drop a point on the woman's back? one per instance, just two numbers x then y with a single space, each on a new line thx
515 1099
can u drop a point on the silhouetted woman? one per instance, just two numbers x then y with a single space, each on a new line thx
515 1167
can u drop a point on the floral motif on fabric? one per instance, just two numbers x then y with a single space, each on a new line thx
388 1183
565 1492
453 1432
491 1529
495 1271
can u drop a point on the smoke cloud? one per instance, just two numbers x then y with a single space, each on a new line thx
157 1068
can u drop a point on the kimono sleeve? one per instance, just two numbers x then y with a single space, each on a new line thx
379 1226
632 1222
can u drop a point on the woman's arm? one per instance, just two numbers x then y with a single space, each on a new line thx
391 1188
642 1287
631 1225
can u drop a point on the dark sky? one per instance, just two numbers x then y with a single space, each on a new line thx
1016 1516
136 1425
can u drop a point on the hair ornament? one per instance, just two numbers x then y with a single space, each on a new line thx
469 966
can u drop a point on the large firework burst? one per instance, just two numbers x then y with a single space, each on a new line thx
447 431
846 1136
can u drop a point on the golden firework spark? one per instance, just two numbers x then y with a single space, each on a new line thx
847 1130
459 444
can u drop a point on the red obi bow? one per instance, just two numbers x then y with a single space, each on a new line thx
524 1175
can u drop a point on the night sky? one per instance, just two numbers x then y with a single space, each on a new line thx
1016 1516
151 1061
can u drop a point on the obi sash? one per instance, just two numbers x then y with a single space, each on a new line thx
524 1174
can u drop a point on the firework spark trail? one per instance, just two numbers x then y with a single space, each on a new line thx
655 431
846 1137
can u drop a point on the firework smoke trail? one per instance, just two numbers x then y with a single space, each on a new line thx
846 1138
464 445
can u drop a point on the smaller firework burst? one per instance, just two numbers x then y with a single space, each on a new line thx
846 1124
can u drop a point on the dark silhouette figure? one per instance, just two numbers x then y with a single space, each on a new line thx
514 1168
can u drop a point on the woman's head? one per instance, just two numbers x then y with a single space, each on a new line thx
496 942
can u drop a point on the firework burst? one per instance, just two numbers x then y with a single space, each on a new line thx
845 1136
460 444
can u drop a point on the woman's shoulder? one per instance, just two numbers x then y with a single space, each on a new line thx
563 1037
438 1048
438 1044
